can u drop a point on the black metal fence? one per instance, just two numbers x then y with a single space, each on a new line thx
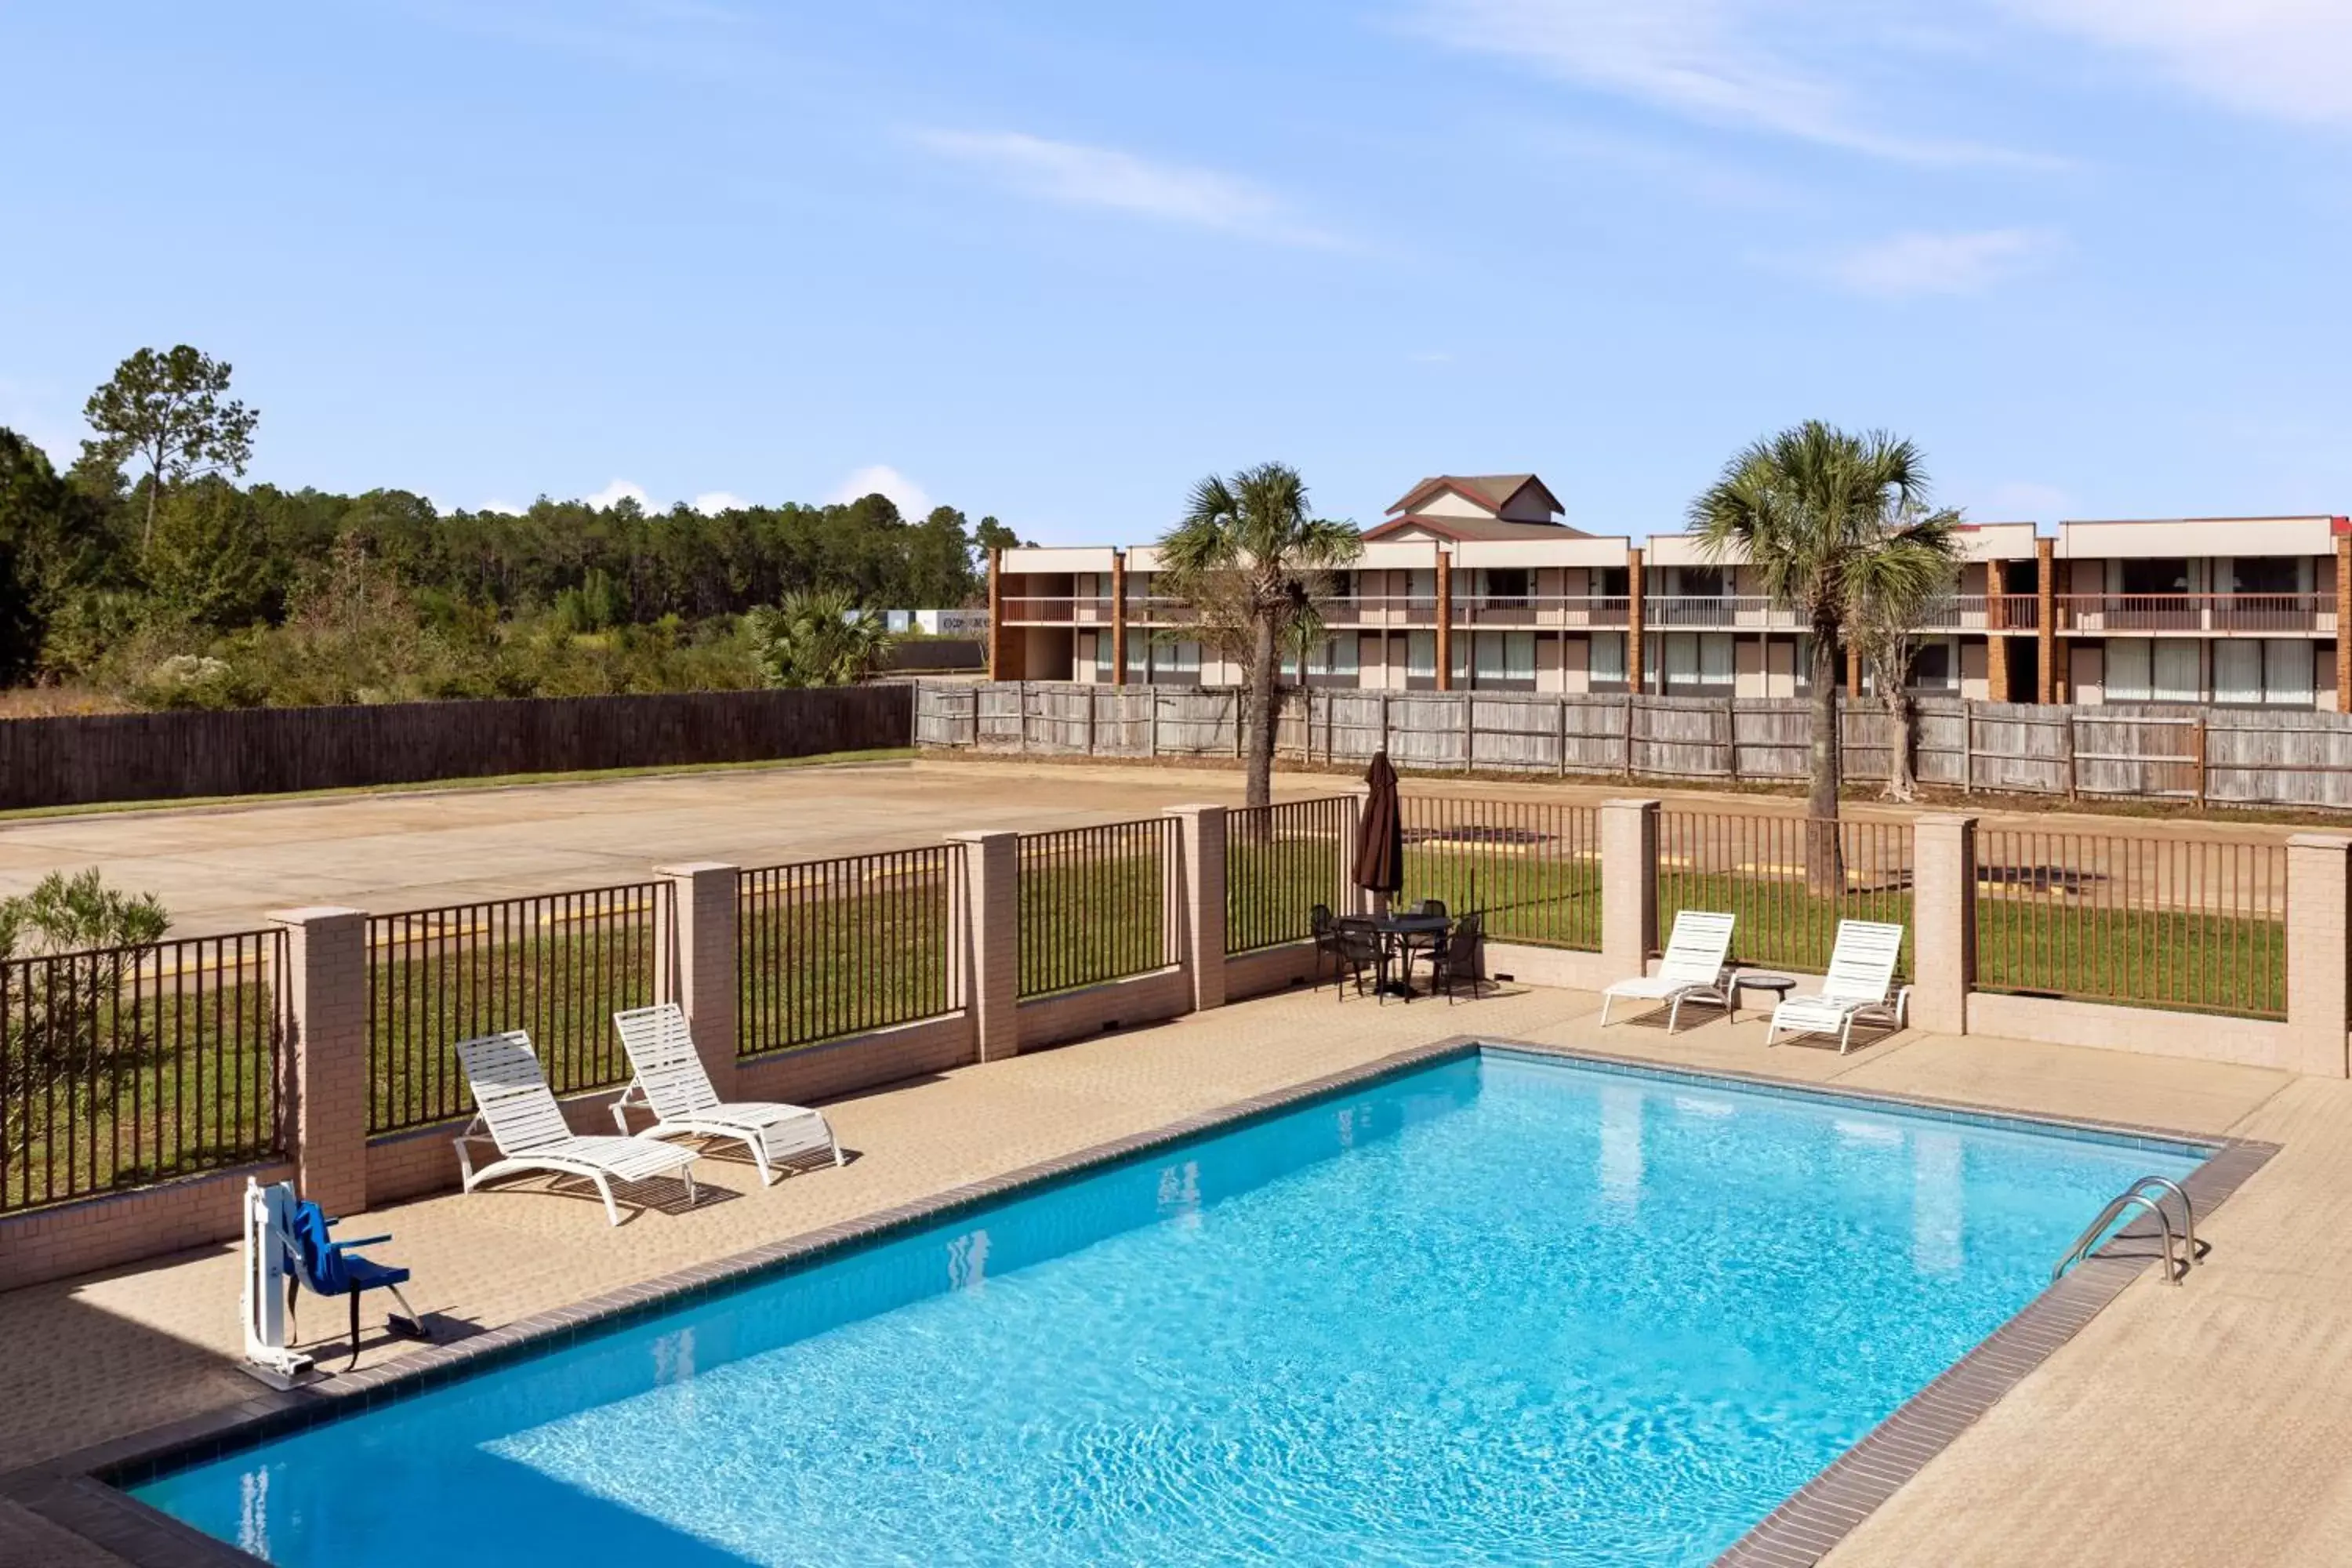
1534 867
828 948
1790 880
1280 862
1096 904
128 1066
557 965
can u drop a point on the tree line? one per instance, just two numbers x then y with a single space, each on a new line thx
146 571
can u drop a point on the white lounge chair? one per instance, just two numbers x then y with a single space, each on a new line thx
1859 985
1691 970
670 1082
515 1111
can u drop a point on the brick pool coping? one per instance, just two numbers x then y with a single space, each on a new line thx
82 1492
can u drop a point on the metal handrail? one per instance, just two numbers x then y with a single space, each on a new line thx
2118 1206
2194 1251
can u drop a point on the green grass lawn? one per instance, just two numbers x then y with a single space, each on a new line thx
854 958
1548 901
191 1088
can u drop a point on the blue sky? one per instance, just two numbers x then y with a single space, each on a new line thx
1055 262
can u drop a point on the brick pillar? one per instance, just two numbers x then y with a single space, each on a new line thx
1636 603
698 945
998 664
992 940
2317 987
1853 672
1200 899
325 987
2045 620
1995 669
2344 622
1629 884
1118 617
1943 922
1444 619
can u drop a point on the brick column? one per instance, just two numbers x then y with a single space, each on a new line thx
998 664
1444 619
1853 673
2045 620
1636 606
992 940
1943 921
1997 667
2344 623
1629 884
325 987
1200 899
699 950
1118 617
2317 985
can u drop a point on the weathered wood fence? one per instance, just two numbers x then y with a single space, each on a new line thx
256 751
2224 755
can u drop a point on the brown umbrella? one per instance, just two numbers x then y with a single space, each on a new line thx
1380 838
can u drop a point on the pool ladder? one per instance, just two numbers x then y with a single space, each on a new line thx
2136 1196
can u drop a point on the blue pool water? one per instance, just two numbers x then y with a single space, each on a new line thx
1497 1309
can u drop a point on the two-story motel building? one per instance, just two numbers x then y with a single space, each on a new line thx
1472 584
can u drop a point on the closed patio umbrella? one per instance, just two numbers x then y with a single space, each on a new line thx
1380 836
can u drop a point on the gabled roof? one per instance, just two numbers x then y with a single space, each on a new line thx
1460 528
1492 491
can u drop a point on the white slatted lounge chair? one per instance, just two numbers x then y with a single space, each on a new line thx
671 1083
515 1111
1860 980
1692 970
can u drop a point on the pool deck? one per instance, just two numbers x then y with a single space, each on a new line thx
2208 1424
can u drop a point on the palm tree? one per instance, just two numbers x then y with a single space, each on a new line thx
817 636
1255 567
1893 588
1810 510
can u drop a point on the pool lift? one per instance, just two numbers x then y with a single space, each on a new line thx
2137 1196
269 1242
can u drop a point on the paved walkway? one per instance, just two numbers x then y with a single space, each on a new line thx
2207 1424
219 868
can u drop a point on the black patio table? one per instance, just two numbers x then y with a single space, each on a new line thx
1401 934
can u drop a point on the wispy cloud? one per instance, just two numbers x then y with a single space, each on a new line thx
619 490
1075 175
1907 265
2284 60
711 503
1715 62
880 479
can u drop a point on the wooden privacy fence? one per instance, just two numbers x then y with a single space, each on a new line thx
124 1066
2242 756
828 948
259 751
558 965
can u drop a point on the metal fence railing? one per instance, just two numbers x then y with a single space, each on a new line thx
128 1066
1096 904
1532 866
1280 862
2161 922
829 948
1790 880
557 965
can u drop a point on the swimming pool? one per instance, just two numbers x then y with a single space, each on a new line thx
1498 1308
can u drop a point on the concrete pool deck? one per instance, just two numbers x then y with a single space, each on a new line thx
2239 1382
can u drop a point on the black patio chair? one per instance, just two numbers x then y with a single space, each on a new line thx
1456 958
1326 931
1360 948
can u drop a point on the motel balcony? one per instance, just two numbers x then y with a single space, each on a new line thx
1558 610
2260 614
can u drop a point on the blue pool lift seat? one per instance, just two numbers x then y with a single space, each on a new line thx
331 1267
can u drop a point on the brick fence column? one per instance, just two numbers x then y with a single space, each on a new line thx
325 987
1943 921
1199 886
990 946
698 954
1629 884
2317 983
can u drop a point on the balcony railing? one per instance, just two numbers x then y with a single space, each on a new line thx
1381 610
2225 613
1673 612
1058 610
1538 610
1160 610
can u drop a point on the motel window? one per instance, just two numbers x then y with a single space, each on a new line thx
1420 656
2287 673
1504 661
1103 650
2155 669
1937 666
1605 658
